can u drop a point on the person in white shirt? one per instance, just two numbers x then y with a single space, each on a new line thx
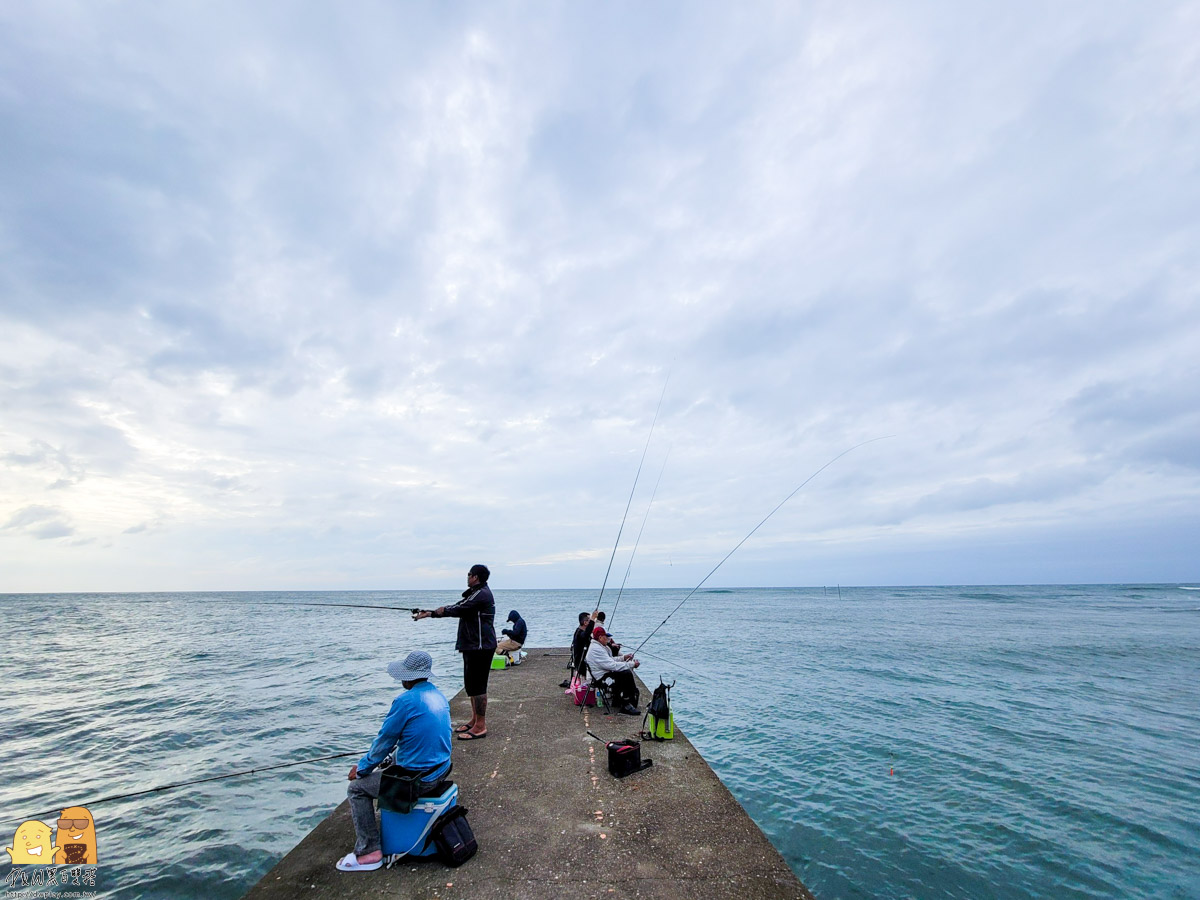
602 664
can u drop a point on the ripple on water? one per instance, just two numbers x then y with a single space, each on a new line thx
910 742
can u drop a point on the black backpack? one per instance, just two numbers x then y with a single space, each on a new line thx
452 836
659 709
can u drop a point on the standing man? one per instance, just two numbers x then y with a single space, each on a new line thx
579 647
416 734
476 613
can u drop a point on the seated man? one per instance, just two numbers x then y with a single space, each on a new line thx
602 664
514 637
416 733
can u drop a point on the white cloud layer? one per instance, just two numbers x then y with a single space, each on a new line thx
358 296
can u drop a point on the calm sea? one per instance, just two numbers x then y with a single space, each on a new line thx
892 742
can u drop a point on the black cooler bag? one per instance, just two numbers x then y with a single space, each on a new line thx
625 758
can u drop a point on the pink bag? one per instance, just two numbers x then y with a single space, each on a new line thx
581 693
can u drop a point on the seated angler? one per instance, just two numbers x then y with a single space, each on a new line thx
416 733
514 637
602 664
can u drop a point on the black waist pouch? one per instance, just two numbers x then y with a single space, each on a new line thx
452 836
625 758
400 788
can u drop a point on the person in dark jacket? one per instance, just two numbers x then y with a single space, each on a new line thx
515 636
579 646
476 613
580 643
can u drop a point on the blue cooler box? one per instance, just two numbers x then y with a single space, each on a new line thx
405 833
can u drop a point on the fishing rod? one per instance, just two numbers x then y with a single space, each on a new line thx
634 488
170 787
754 529
407 609
653 494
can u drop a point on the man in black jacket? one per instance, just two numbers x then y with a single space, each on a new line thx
476 613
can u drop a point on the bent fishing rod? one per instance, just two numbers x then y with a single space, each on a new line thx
617 543
653 494
754 529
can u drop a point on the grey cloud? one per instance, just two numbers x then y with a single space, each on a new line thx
1152 418
1038 486
200 339
40 453
41 522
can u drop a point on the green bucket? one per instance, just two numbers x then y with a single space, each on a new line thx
663 729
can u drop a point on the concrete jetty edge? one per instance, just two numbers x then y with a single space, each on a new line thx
550 820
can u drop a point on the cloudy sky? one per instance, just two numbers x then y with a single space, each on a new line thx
355 295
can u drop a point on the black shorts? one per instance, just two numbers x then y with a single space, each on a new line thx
476 666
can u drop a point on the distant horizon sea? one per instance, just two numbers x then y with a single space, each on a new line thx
924 742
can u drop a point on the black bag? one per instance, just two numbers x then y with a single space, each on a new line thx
400 788
658 712
452 836
625 758
660 703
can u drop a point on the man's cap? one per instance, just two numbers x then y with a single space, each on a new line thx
599 631
416 665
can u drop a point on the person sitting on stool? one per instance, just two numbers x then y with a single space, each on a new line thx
416 733
602 664
514 637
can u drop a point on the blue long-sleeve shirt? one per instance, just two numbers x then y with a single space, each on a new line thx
417 727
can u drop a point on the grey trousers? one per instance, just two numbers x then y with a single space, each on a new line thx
362 793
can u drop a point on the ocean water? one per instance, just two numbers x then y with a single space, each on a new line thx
968 742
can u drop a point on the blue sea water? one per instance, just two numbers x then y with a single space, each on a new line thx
967 742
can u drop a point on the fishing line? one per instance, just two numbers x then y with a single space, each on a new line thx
653 494
170 787
634 488
754 529
677 665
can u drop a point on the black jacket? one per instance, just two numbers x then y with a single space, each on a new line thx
476 613
580 643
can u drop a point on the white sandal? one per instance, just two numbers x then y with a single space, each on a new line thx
350 863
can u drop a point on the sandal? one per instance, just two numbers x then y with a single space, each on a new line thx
350 863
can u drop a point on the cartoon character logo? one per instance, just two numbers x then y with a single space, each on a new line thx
77 836
32 845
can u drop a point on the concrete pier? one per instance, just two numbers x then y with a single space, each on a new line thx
551 822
